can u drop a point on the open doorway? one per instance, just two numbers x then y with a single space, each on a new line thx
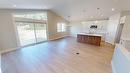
31 28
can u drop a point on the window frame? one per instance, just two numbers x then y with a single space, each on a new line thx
61 27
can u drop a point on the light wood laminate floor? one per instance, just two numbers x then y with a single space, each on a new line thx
59 56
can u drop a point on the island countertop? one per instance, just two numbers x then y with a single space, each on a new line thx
89 34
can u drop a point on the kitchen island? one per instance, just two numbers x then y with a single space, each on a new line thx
94 39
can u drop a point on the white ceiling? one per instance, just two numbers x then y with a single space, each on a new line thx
76 9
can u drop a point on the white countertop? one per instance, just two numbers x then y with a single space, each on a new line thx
90 34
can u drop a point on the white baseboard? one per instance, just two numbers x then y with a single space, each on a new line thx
57 38
113 67
8 50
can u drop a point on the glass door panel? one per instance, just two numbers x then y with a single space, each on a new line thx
26 33
31 27
40 30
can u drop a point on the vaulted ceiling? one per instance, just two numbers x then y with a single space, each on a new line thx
73 10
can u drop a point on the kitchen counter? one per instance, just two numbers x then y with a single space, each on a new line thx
89 34
93 39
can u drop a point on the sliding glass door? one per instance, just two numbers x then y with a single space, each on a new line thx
40 31
26 33
30 33
31 28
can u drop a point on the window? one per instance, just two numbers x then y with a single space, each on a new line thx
36 16
61 27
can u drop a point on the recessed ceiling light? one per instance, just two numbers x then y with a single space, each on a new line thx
101 15
44 7
113 9
96 21
91 16
14 5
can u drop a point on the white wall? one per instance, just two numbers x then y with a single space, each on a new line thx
53 19
125 36
125 13
7 32
78 27
8 38
8 35
126 29
121 57
112 28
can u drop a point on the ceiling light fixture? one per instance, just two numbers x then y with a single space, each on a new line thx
96 21
14 5
91 16
101 15
113 9
45 7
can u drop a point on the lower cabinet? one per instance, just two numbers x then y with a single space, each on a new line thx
94 40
